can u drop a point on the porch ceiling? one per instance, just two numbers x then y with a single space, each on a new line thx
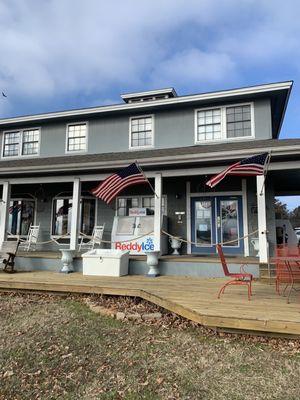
286 182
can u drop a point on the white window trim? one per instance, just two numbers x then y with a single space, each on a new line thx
67 151
20 155
150 146
224 137
34 214
79 216
140 199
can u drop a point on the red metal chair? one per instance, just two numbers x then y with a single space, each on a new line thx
241 278
283 274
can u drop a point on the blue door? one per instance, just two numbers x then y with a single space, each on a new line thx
217 219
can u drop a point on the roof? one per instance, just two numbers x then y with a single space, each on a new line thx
214 154
278 93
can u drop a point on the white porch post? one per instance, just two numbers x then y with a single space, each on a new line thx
152 257
4 210
157 212
75 214
262 219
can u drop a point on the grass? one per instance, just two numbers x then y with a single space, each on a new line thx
56 348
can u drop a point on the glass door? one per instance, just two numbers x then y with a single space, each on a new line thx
230 224
217 220
203 225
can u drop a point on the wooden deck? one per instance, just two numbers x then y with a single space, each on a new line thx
193 298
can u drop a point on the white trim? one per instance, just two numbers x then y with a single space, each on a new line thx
223 124
75 214
67 151
245 217
4 207
158 182
262 219
188 217
177 100
20 155
150 146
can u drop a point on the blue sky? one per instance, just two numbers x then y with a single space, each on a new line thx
61 54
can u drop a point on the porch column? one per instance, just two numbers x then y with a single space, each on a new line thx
75 214
157 212
4 206
262 219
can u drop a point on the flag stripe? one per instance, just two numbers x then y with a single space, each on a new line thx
110 190
248 167
115 183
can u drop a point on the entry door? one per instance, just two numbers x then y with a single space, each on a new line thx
217 220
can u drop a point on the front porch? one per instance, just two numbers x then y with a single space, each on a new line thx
190 297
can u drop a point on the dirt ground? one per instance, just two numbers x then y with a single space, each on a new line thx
57 348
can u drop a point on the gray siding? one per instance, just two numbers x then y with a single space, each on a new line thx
173 128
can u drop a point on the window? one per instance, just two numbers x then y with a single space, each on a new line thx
209 124
30 142
148 202
62 216
21 143
141 132
125 203
76 137
223 123
238 121
21 216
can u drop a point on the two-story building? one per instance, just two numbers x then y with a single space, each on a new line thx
50 162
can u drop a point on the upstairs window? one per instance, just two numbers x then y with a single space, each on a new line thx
76 138
238 121
21 143
222 123
141 132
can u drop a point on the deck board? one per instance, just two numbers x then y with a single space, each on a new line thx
193 298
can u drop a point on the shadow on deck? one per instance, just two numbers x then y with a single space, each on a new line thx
190 297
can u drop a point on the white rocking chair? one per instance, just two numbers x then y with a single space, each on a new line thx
95 239
30 242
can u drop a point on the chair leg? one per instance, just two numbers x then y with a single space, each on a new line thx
249 291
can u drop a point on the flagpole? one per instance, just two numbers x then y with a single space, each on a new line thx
265 173
142 172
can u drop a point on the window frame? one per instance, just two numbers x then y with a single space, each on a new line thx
21 131
67 151
34 214
224 137
145 147
140 200
79 216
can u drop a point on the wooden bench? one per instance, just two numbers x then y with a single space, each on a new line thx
8 252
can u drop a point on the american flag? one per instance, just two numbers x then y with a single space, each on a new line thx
114 184
249 166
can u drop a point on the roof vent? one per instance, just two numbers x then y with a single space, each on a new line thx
151 95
